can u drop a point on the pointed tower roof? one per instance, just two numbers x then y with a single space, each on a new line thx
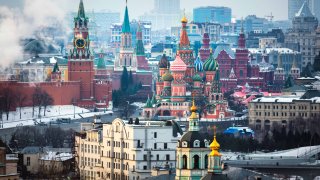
139 44
148 103
153 99
184 39
126 22
81 12
55 68
232 75
304 11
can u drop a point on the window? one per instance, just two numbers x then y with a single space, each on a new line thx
28 161
144 157
196 143
165 145
155 145
158 157
155 134
168 157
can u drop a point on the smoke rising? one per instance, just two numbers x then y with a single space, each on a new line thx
17 24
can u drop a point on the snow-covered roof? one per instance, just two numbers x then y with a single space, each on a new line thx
55 156
268 50
280 99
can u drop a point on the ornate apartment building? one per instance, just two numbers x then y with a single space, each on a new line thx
126 149
265 112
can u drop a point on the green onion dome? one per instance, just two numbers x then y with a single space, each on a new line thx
211 64
197 77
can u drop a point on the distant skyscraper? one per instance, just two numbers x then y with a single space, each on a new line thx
212 14
164 15
167 6
315 8
295 5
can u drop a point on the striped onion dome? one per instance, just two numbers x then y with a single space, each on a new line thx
198 64
211 64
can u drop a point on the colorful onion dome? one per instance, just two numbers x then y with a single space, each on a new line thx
167 76
198 64
197 77
164 63
178 65
211 64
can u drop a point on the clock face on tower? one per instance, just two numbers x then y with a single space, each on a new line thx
80 43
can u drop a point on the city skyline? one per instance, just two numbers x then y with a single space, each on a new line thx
278 9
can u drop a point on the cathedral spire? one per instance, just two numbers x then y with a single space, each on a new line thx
126 22
81 12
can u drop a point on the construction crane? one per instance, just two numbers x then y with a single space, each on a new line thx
269 17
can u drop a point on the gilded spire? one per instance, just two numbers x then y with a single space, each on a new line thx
193 110
214 146
184 19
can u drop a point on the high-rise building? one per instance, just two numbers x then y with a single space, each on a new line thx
302 36
164 15
315 8
295 5
167 6
220 15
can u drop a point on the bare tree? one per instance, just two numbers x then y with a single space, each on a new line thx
46 101
20 99
8 100
37 99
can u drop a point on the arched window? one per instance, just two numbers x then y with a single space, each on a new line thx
185 162
196 143
196 162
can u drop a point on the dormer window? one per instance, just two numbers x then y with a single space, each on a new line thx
206 143
184 144
196 143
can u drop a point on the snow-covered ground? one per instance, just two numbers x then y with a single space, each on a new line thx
52 114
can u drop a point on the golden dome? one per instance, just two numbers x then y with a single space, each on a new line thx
184 19
214 146
193 107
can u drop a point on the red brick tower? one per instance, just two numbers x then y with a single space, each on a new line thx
241 59
205 48
80 60
141 58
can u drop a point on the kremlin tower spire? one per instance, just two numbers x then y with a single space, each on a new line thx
205 48
279 75
126 58
295 70
80 60
242 39
141 59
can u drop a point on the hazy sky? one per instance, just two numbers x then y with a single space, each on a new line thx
240 8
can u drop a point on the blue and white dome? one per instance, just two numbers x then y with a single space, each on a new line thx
198 64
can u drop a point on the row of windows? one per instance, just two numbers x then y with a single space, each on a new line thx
89 161
117 143
165 145
300 107
94 149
